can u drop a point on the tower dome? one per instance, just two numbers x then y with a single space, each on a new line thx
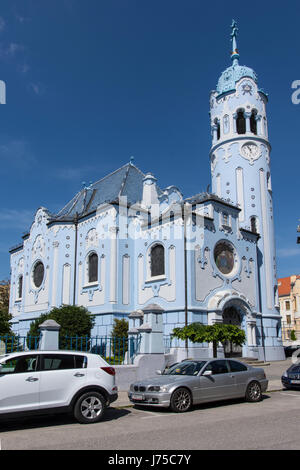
235 72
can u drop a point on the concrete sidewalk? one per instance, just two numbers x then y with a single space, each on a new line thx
273 372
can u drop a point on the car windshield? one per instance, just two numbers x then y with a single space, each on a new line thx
185 368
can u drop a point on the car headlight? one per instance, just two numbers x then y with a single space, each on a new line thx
156 388
285 374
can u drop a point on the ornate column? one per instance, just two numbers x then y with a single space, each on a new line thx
113 264
54 274
247 117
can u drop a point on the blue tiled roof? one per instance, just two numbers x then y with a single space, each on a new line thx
126 181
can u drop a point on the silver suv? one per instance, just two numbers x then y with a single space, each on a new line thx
56 381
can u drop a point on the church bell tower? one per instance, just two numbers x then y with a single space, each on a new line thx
240 168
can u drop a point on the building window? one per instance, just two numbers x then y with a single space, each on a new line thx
253 224
288 319
93 268
240 123
157 261
224 257
287 305
20 287
253 123
38 274
225 219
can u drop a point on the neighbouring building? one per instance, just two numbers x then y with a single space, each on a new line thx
124 243
289 300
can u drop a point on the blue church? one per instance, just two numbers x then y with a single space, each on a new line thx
124 243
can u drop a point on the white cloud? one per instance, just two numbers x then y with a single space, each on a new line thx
16 218
37 88
288 252
16 153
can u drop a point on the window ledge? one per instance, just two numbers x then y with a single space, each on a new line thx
157 278
91 284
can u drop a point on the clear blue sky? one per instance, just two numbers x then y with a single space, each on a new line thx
90 83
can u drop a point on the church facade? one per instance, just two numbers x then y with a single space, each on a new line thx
124 243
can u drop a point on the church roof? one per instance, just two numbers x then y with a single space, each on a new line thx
127 181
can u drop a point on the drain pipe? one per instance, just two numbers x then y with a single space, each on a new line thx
260 309
185 280
75 256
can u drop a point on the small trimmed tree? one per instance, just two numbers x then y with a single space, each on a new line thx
293 336
75 321
216 333
119 336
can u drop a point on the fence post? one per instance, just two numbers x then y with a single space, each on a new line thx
49 336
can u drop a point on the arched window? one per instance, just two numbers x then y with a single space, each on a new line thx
217 127
253 123
157 261
253 223
20 287
38 274
93 268
240 123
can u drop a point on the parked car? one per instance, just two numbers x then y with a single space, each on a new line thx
56 381
289 350
291 378
191 382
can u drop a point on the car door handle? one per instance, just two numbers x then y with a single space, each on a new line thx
79 375
232 376
31 379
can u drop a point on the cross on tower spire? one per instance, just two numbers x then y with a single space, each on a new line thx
235 54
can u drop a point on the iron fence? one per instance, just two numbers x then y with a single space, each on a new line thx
10 344
115 351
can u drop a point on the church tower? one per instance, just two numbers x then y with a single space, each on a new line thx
240 168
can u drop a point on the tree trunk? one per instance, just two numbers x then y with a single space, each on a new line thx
215 345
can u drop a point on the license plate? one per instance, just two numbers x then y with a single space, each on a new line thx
295 381
138 397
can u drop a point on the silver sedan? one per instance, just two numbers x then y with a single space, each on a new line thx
191 382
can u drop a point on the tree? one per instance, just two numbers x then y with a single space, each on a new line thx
74 321
4 295
120 337
293 336
216 333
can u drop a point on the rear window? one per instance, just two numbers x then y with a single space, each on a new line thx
237 366
63 362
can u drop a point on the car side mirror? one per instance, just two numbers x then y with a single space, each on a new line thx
207 373
158 372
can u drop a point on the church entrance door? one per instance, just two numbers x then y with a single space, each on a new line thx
232 317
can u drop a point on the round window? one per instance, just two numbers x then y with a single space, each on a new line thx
38 274
224 257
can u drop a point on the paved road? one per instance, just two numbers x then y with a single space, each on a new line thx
271 424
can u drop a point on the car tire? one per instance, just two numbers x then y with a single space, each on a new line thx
181 400
253 392
89 408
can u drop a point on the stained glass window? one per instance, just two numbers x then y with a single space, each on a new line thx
93 267
38 274
224 257
20 287
157 261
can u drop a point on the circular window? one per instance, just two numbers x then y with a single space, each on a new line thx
224 257
38 274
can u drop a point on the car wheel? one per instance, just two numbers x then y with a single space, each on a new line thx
181 400
89 408
253 392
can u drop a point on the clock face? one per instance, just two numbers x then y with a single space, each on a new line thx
250 151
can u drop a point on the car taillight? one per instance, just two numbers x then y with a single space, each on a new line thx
109 370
